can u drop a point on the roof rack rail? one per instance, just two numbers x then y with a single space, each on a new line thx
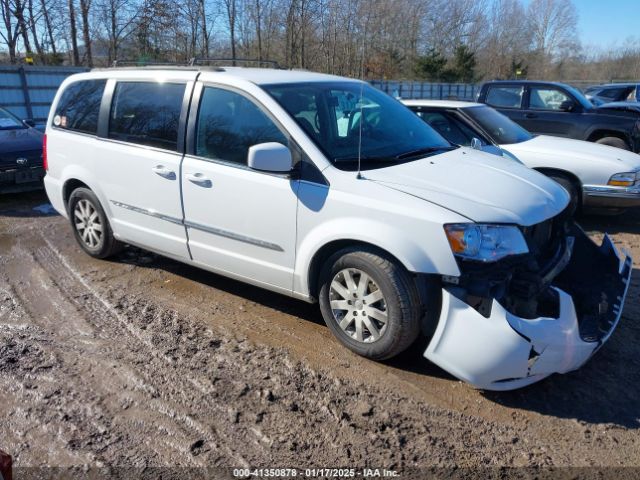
270 63
195 62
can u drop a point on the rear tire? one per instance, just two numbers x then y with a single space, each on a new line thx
570 187
614 142
90 225
370 303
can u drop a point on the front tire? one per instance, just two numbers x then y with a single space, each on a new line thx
614 142
90 225
569 186
370 303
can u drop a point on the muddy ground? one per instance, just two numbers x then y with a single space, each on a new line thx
143 362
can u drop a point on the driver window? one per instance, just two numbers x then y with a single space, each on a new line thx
229 123
546 98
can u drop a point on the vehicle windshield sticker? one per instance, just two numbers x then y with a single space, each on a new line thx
57 120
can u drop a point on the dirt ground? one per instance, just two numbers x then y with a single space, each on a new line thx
143 362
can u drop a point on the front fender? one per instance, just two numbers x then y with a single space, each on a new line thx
423 254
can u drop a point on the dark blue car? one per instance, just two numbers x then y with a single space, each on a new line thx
21 166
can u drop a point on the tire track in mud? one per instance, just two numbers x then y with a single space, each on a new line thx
128 376
85 311
147 386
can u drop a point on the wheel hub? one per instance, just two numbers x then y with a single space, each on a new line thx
358 305
87 223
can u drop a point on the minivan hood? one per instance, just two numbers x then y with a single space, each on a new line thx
592 153
479 186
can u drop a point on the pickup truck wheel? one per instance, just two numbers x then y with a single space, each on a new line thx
90 225
370 303
569 186
614 142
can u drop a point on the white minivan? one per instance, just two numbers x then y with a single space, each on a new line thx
326 189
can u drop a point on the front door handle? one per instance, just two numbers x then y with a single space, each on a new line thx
530 115
164 172
199 179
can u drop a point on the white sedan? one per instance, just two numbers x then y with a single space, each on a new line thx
596 176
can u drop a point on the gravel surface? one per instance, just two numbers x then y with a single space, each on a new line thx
143 362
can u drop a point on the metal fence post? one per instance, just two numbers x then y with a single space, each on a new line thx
25 92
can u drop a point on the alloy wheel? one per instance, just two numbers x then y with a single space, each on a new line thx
358 305
88 224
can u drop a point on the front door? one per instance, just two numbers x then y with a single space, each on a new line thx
544 114
240 222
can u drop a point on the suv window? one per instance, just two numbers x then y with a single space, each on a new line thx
618 93
147 113
229 123
542 98
79 106
506 97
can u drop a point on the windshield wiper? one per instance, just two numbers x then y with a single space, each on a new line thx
424 151
363 159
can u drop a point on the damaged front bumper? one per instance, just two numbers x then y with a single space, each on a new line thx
492 348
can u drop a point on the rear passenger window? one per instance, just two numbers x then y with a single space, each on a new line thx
229 123
505 97
79 106
147 113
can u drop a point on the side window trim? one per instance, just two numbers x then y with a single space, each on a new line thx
105 109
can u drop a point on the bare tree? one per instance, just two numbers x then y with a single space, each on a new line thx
85 6
508 40
48 26
118 18
11 30
75 54
231 12
554 24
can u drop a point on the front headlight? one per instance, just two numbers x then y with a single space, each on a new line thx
626 179
485 243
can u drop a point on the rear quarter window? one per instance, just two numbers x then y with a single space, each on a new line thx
504 97
147 113
79 106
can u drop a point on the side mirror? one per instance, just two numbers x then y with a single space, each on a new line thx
270 157
476 144
29 123
567 106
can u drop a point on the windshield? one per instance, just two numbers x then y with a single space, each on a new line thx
579 96
8 121
503 130
351 119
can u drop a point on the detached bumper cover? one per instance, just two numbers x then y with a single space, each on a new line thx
606 196
503 351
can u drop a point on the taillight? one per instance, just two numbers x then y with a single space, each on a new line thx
45 164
